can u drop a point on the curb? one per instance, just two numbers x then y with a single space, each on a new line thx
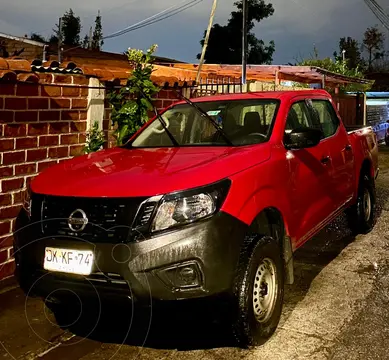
8 284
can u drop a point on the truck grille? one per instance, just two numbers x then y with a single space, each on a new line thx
109 220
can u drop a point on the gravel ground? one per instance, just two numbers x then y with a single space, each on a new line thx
337 309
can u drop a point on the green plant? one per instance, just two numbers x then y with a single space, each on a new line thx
95 139
339 67
129 107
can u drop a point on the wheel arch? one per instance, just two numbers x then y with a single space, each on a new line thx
366 168
271 222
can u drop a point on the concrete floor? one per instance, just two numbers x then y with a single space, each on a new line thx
337 309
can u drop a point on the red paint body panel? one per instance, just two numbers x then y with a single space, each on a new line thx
307 193
145 172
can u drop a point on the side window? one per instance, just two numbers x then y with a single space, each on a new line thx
324 117
298 117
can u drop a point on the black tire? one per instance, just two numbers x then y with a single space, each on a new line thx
247 330
387 141
360 220
66 314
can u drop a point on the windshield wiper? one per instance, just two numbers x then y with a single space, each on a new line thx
204 114
161 120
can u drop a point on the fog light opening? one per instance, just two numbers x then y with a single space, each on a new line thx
187 276
182 276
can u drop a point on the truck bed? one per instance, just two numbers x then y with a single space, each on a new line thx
365 140
352 128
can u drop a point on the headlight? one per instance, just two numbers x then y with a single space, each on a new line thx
182 207
183 211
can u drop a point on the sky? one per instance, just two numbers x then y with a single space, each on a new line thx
295 26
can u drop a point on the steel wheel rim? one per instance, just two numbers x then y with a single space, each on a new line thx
265 290
367 204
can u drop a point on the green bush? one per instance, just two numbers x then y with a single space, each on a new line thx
129 108
95 139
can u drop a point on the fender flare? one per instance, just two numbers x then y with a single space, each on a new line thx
258 203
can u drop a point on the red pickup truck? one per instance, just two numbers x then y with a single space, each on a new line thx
210 198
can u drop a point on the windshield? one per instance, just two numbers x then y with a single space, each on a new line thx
244 122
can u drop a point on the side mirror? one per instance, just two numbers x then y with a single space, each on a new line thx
302 138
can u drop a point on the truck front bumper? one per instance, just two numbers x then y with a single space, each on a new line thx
191 262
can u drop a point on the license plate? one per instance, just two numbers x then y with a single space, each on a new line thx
68 261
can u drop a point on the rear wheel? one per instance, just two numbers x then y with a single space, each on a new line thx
259 290
361 215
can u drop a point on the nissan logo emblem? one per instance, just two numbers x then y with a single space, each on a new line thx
77 220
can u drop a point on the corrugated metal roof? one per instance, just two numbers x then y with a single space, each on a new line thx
274 73
21 39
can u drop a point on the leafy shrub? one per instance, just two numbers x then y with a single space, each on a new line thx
95 139
129 107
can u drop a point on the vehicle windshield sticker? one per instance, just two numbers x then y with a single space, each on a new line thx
213 112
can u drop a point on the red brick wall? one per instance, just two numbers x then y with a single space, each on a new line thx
40 125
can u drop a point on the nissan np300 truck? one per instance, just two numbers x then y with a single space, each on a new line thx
211 197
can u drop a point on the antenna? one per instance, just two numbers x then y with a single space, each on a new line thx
90 39
206 40
244 41
60 40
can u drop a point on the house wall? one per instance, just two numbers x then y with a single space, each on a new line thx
29 51
40 125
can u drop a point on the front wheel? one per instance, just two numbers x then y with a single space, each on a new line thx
361 215
258 291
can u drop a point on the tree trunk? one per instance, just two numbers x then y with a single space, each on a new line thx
370 58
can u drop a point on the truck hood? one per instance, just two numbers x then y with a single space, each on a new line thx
120 172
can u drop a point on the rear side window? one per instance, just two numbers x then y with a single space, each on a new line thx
324 117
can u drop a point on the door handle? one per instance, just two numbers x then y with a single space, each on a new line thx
325 160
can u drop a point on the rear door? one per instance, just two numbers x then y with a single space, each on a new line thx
310 177
341 158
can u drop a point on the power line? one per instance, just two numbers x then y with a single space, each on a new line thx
378 12
171 11
86 17
384 17
160 19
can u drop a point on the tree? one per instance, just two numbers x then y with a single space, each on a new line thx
374 42
71 29
352 52
225 42
53 39
97 38
37 37
85 42
338 67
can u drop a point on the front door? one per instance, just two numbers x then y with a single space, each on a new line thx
310 177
